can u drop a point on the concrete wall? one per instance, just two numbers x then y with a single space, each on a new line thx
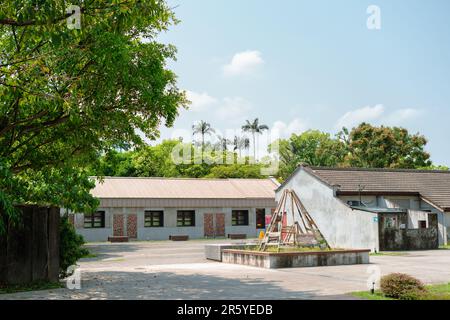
408 202
341 226
170 224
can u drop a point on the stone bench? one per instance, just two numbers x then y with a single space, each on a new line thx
237 236
179 238
115 239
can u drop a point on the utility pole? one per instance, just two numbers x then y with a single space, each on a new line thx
360 188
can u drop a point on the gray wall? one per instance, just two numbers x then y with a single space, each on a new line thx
341 226
408 202
170 223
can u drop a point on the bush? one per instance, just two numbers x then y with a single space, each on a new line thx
71 249
402 286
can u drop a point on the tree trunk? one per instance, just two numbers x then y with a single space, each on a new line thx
254 147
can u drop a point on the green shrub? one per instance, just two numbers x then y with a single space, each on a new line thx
71 249
402 286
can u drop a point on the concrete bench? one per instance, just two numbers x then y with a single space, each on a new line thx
114 239
214 251
237 236
179 238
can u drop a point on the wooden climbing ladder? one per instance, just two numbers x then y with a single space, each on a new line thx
303 226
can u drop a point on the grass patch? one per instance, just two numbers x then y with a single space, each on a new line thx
90 256
389 253
378 295
434 292
36 286
446 247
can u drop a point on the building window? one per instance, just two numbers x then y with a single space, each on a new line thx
422 224
154 219
239 218
260 218
94 220
186 218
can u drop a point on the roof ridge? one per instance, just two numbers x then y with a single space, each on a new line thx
379 170
182 178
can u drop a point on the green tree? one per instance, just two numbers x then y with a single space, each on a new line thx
384 147
240 143
68 95
203 128
246 171
312 147
255 128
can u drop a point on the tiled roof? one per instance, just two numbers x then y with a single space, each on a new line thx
432 186
167 188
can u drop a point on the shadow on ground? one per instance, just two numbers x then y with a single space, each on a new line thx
166 285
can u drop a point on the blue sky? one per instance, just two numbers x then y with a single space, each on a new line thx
301 65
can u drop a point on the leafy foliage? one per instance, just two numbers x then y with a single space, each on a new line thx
157 161
69 94
71 249
384 147
364 146
401 286
312 147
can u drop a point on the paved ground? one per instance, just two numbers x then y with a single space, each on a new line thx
178 270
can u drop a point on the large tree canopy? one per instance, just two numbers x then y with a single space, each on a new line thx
384 147
365 146
66 95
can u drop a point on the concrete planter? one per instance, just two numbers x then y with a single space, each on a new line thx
271 260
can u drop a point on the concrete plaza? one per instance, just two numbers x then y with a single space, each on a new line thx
178 270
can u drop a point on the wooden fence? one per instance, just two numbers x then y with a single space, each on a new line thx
29 252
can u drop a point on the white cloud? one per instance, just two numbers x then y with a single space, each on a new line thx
235 110
377 115
282 129
200 101
355 117
243 63
402 115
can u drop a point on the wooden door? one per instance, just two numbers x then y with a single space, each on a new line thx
132 226
214 225
118 225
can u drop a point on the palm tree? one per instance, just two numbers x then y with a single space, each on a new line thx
255 128
241 143
203 128
223 143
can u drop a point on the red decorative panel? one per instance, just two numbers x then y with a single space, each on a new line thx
132 226
208 224
214 224
118 225
220 224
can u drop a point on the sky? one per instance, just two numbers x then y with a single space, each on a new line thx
303 64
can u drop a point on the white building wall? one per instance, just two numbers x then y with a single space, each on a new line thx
170 224
341 226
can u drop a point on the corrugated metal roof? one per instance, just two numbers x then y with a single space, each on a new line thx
433 186
172 188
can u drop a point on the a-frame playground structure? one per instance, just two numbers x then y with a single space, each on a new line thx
291 225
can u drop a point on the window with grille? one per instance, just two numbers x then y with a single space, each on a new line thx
185 218
94 220
154 219
239 218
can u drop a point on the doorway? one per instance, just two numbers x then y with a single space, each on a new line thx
214 225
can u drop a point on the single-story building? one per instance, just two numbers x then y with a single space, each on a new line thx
157 208
377 209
